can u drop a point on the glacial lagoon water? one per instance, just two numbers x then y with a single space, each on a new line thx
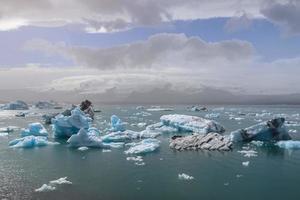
272 174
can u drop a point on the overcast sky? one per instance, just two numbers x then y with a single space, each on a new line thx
125 47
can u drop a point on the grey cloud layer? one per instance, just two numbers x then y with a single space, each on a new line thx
161 50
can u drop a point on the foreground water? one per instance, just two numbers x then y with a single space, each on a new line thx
272 174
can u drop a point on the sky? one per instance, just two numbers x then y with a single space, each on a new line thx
149 50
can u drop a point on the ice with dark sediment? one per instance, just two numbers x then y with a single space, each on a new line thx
272 130
210 141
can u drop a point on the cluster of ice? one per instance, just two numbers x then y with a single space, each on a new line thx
52 185
35 129
45 105
15 105
289 144
117 124
158 109
184 176
144 146
266 131
211 141
30 142
187 123
66 126
248 153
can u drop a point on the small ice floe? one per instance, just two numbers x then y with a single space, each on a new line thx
226 184
248 153
144 146
143 114
158 108
292 131
236 118
246 163
83 148
66 126
52 185
117 124
197 108
62 180
239 176
106 150
16 105
35 129
266 131
141 124
184 176
289 144
187 123
211 141
30 142
212 115
45 188
138 160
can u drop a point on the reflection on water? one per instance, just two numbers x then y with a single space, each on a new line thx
272 174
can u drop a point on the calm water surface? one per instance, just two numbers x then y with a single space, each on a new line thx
272 174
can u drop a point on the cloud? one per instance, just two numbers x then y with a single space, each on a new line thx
286 15
115 15
159 51
238 23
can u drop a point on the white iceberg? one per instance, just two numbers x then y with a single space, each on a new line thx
45 188
16 105
144 146
187 123
184 176
66 126
116 124
266 131
289 144
35 129
30 142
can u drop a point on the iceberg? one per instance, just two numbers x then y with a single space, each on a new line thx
184 176
30 142
210 141
272 130
45 105
120 136
116 124
289 144
16 105
86 138
35 129
66 126
144 146
187 123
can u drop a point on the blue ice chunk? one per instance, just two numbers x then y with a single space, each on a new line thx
144 146
30 142
35 129
116 124
16 105
65 126
86 137
289 144
272 130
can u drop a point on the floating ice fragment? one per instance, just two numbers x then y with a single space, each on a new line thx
35 129
83 148
144 146
136 159
157 108
106 150
289 144
187 123
120 136
86 138
184 176
16 105
266 131
45 188
62 180
246 163
212 115
248 153
30 142
116 124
